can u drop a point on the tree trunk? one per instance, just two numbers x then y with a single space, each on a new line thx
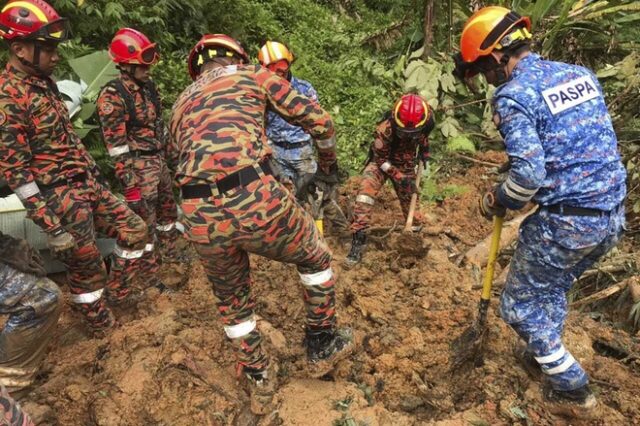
429 9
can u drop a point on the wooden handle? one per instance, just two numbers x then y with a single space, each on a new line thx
414 198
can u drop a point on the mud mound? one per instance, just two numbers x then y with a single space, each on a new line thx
169 364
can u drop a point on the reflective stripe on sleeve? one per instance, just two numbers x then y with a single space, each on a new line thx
118 150
517 192
166 228
362 198
27 190
385 166
127 254
327 143
240 330
317 278
148 247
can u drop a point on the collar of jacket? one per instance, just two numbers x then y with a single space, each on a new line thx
130 83
34 80
524 63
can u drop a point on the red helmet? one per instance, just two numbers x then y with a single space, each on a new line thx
130 46
412 116
213 46
32 20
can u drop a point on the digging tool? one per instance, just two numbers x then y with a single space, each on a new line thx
470 345
409 242
414 199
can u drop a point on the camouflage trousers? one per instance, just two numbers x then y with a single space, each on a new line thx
10 412
84 208
261 218
154 180
33 307
552 252
372 181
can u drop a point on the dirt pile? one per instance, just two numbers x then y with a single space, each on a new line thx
169 364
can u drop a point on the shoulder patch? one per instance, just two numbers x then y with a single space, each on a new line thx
106 108
561 98
3 117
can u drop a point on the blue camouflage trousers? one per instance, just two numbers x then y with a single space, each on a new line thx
552 252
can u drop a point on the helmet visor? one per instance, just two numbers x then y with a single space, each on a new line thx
57 31
150 55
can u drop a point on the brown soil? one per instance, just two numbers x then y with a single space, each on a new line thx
168 364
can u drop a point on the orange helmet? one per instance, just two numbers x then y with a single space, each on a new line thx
492 28
130 46
32 20
272 51
412 116
213 46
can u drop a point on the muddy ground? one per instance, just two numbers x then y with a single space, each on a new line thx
168 364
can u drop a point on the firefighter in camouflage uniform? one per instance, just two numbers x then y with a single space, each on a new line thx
293 147
392 156
133 131
47 166
233 204
564 157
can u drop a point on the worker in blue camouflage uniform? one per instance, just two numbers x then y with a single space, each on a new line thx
563 154
292 146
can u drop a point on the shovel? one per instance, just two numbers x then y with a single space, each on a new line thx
470 345
410 241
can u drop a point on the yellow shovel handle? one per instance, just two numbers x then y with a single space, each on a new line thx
320 225
493 255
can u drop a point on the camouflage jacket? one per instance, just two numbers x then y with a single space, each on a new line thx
38 144
217 123
279 130
559 138
114 120
393 155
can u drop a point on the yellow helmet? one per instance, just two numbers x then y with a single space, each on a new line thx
272 51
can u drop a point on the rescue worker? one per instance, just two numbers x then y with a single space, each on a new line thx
32 303
10 411
563 154
293 146
130 115
233 205
46 165
392 156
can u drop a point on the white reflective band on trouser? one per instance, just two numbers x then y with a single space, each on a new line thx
240 330
562 367
94 296
127 254
148 247
551 357
517 192
327 143
317 278
361 198
385 166
118 150
28 190
166 228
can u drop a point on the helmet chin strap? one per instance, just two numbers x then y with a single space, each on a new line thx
132 75
35 63
501 70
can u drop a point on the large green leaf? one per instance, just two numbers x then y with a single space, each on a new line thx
95 69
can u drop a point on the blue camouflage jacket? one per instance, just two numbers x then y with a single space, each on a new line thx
559 138
278 129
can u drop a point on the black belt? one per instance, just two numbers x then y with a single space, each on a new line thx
292 145
242 177
68 181
141 153
574 211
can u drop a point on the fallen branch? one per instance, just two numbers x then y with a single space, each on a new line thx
603 294
604 269
479 254
475 160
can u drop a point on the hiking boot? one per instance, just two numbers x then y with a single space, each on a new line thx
325 348
527 361
262 388
358 244
579 403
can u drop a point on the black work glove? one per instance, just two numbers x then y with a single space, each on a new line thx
408 182
18 254
423 155
490 206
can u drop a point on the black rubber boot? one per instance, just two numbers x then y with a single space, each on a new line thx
358 244
326 347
